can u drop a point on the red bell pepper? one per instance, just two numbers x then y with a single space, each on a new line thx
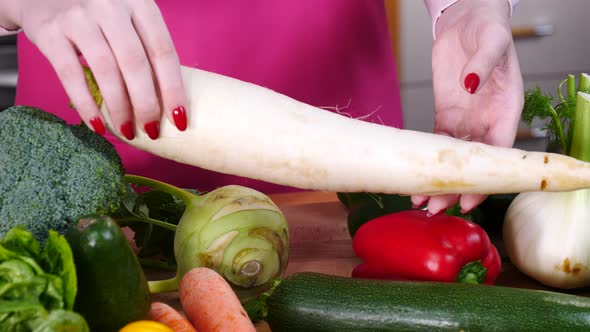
409 245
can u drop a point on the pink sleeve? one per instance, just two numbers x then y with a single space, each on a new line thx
436 7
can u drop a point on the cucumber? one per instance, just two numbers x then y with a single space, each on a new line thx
112 287
316 302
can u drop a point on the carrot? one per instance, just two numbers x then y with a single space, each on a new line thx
165 314
211 304
239 128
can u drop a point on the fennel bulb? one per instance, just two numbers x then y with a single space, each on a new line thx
547 234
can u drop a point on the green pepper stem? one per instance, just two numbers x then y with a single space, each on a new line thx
163 286
472 273
186 197
580 148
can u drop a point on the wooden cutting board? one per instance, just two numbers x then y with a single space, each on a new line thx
320 243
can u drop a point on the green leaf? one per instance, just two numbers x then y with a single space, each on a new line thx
53 295
19 320
368 206
60 321
536 106
57 259
34 282
20 245
473 216
159 205
151 239
19 281
21 242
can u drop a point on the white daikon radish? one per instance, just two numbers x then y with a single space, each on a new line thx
239 128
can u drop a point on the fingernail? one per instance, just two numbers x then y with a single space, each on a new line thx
127 130
471 82
465 211
430 214
179 115
152 129
98 126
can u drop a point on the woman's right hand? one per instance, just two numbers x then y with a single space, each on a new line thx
127 46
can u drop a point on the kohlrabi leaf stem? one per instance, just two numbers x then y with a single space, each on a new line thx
152 263
162 286
148 220
580 148
186 197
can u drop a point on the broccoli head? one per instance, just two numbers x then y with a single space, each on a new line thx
52 173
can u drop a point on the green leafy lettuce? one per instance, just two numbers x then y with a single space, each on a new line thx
37 286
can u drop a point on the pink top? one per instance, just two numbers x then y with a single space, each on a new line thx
329 53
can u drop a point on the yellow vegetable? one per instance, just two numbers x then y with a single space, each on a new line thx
145 326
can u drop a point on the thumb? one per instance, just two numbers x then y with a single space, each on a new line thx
492 41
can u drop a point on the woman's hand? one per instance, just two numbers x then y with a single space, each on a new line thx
478 88
126 45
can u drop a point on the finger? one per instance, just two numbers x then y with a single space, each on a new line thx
60 53
419 200
134 65
503 133
152 30
470 202
438 204
90 41
492 41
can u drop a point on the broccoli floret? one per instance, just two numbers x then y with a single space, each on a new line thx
52 173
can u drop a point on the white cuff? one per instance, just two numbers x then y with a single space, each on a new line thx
436 7
4 32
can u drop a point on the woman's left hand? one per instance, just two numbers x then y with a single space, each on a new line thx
478 88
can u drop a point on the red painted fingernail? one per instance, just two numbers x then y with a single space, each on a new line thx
127 130
98 126
471 82
152 129
179 115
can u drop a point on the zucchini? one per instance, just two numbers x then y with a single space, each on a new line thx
316 302
112 287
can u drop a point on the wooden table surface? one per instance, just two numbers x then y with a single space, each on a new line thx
320 242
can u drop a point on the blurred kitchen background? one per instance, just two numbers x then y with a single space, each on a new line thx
8 70
551 39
